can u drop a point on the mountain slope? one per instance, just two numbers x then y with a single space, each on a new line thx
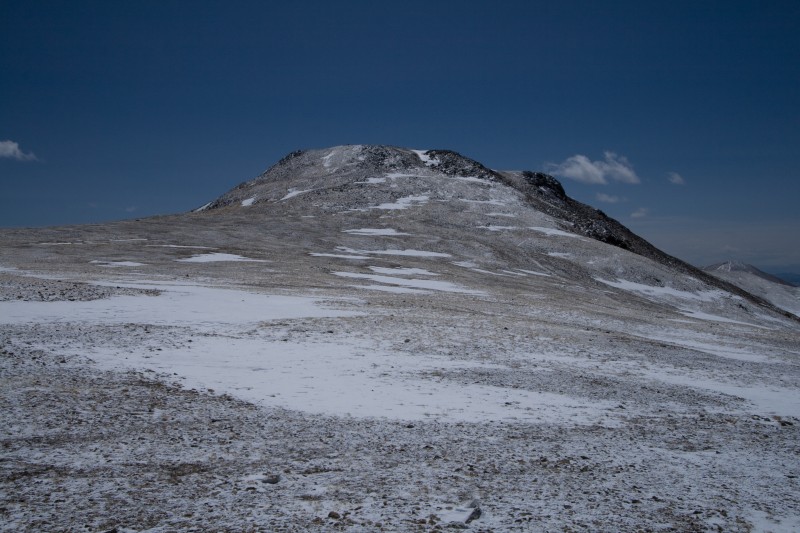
442 190
773 289
738 266
369 338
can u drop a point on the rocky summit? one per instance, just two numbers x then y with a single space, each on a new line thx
372 338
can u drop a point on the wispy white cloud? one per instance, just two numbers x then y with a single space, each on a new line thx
675 178
11 150
640 213
581 168
608 198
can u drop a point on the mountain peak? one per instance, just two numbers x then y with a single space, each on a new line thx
738 266
433 189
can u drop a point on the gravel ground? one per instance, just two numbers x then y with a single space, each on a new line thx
86 449
391 343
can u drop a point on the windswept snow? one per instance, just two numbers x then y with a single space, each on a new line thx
294 192
714 346
407 252
375 231
218 257
471 179
700 315
649 290
533 272
391 288
487 202
339 256
552 231
114 264
397 175
499 228
424 284
401 271
404 203
425 158
180 246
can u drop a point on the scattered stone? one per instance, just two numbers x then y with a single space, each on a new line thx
474 515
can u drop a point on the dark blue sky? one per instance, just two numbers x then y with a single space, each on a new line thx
113 110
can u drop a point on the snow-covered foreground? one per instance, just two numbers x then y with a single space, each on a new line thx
156 406
227 346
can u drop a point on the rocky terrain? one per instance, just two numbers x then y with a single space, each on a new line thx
369 338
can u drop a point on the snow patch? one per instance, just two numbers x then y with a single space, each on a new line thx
391 288
700 315
202 308
471 179
404 203
534 273
498 228
374 231
409 253
395 175
248 202
553 231
218 257
234 354
783 401
649 290
180 246
712 346
372 181
400 271
425 158
115 264
487 202
340 256
294 192
424 284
